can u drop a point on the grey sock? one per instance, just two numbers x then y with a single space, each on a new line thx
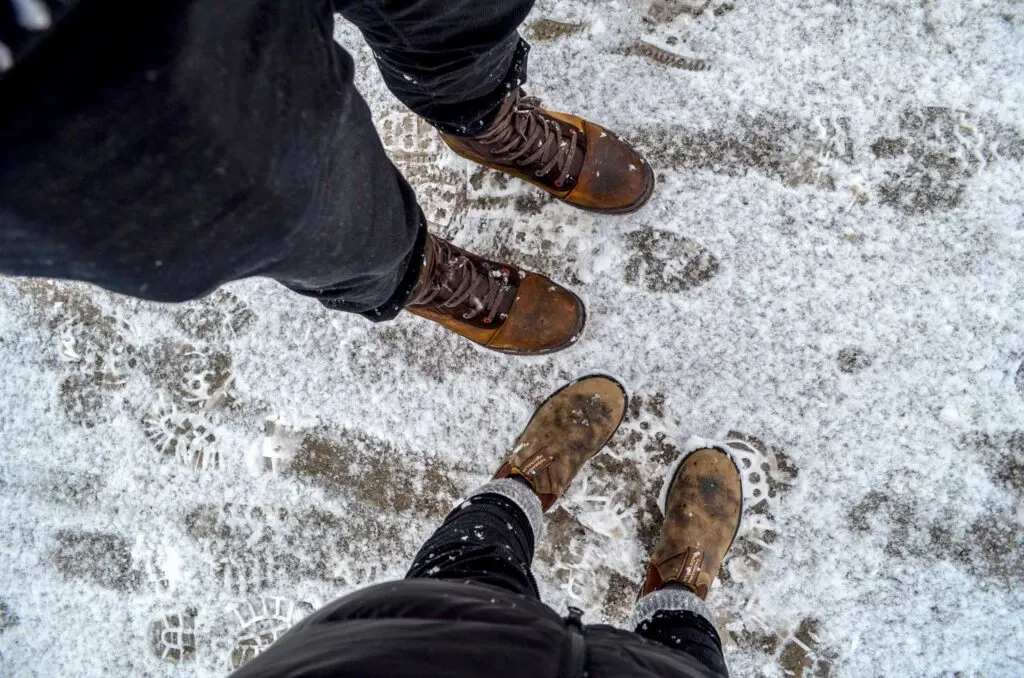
676 598
523 496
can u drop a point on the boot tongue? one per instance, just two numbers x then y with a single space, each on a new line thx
426 289
518 104
478 290
576 165
426 270
506 108
510 283
503 278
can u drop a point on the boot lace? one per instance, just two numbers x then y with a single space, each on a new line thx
525 136
456 281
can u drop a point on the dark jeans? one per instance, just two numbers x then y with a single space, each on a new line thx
488 540
162 148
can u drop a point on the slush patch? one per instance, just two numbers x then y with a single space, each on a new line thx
799 651
1002 454
853 359
662 261
8 619
793 151
254 549
96 557
936 153
375 475
988 548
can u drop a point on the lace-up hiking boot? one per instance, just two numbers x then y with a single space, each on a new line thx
567 429
702 515
573 159
496 305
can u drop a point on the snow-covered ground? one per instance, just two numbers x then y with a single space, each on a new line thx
830 275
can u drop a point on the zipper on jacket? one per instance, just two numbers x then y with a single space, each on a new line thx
574 655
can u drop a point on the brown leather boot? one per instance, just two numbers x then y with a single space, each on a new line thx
567 429
573 159
702 515
496 305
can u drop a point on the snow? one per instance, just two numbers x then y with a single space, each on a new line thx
829 276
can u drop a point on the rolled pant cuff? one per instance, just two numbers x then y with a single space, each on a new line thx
668 600
522 496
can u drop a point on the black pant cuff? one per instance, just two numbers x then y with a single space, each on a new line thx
412 265
470 118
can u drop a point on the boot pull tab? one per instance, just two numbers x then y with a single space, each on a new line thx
575 617
574 655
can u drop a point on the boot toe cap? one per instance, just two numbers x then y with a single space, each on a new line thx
615 178
545 318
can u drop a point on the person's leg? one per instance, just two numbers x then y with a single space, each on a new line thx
490 537
452 62
218 141
703 508
678 619
210 142
461 67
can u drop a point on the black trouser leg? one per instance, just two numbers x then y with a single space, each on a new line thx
686 632
488 539
677 618
162 148
450 61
